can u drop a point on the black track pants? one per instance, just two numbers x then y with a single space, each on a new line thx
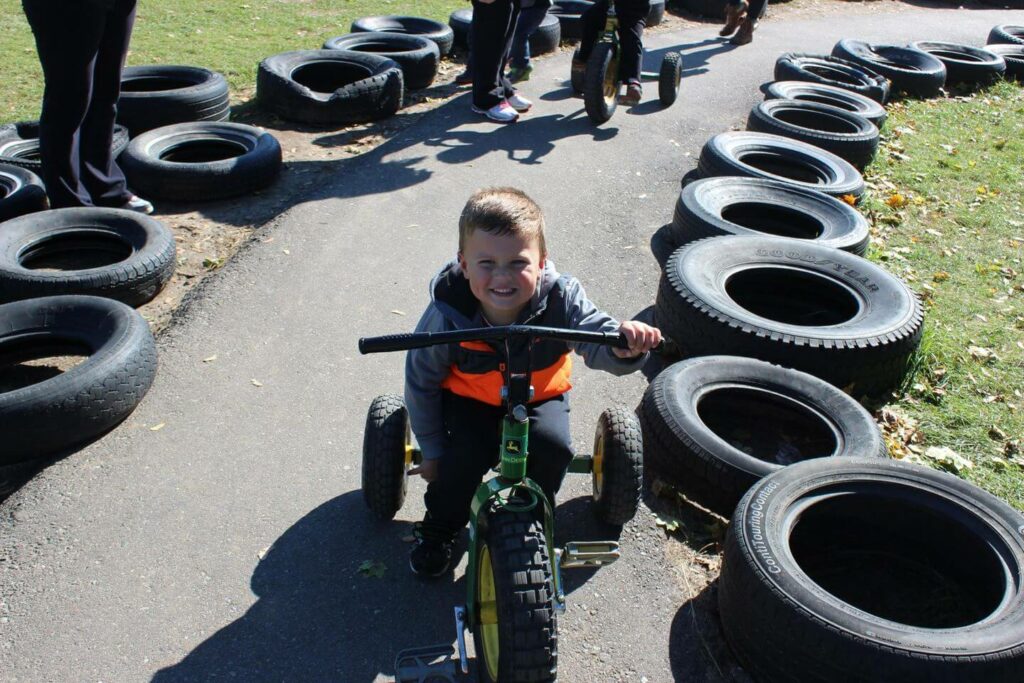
490 42
632 16
474 437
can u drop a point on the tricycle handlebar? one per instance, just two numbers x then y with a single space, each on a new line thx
403 342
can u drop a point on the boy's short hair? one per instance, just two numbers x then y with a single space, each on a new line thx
502 211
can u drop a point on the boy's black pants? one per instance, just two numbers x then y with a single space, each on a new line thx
82 46
632 16
474 437
490 39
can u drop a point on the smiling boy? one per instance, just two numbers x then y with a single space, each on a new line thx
502 276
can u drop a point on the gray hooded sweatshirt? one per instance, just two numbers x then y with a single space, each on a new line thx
453 307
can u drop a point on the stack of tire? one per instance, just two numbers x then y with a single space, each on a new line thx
830 541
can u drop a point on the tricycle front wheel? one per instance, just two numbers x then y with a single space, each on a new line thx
618 466
601 83
516 629
387 455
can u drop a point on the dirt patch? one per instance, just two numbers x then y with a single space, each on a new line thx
208 235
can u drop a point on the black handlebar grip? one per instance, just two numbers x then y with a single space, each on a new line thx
390 342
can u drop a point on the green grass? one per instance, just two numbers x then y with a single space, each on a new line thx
227 36
946 206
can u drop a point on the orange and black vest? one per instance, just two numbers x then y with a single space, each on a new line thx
477 368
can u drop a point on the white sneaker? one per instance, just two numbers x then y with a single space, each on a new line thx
501 112
520 103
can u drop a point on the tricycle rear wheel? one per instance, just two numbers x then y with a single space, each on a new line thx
387 455
516 629
601 83
618 466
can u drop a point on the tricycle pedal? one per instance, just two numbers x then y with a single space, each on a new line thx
460 637
419 665
577 554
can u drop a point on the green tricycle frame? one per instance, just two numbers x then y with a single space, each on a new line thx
505 507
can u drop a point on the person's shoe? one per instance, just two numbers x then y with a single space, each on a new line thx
519 103
632 96
502 112
745 34
464 78
518 74
432 554
139 205
734 14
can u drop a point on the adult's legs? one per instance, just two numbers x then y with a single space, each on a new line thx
529 19
491 39
632 20
67 42
100 173
591 25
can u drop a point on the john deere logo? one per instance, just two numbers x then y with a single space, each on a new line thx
512 446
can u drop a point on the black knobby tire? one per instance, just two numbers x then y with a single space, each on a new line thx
733 205
1006 34
202 160
656 13
59 412
523 580
763 155
569 14
459 21
827 70
713 426
601 83
618 471
669 76
417 56
824 311
965 63
21 192
162 94
19 144
385 438
112 253
329 86
547 36
827 94
847 135
1013 55
859 570
440 33
908 69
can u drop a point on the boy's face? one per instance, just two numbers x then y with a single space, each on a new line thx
502 271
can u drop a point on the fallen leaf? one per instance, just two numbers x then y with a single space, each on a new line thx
256 383
948 459
286 251
157 428
849 199
980 353
996 434
670 523
896 200
398 312
940 276
210 359
372 568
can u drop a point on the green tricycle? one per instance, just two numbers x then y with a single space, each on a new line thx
514 589
601 82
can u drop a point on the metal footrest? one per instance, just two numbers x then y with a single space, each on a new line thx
420 664
577 554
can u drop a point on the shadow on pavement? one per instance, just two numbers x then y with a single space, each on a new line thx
697 651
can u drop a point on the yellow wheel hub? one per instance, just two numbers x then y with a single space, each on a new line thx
489 648
598 466
611 81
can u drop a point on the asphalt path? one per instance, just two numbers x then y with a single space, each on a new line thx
226 545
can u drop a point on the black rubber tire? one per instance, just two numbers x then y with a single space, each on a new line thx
575 78
827 70
909 70
804 165
711 9
329 86
53 252
417 56
618 472
655 14
734 205
824 311
162 94
19 144
669 76
440 33
861 569
459 22
384 473
569 13
155 166
71 408
21 192
1013 55
527 625
715 425
964 63
827 94
547 36
1006 34
847 135
602 66
663 243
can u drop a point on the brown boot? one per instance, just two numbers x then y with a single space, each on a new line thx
734 14
746 32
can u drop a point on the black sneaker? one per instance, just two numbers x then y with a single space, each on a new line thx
432 554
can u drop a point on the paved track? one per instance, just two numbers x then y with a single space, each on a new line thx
225 546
